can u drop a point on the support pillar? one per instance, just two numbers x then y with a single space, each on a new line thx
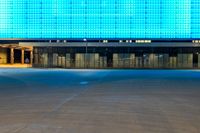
22 56
11 55
31 57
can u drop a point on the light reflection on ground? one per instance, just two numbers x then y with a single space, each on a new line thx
114 101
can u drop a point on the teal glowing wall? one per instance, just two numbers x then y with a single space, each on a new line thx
112 19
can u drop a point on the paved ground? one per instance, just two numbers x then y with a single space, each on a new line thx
78 101
15 66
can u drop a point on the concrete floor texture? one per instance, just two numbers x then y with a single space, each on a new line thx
99 101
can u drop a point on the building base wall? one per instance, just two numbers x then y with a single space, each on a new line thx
117 57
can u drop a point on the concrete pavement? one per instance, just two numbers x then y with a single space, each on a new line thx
99 101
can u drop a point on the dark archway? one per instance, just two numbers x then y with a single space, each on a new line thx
17 56
27 56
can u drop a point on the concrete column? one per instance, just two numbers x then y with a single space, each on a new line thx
31 57
22 56
11 55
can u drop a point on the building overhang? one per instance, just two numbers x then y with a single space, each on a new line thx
17 46
113 44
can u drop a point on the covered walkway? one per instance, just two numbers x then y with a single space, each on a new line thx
13 55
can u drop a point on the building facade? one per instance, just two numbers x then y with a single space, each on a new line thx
101 33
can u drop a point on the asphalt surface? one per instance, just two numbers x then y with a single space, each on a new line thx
99 101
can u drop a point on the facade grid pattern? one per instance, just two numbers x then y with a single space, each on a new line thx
158 19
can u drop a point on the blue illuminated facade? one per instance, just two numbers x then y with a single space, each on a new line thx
111 19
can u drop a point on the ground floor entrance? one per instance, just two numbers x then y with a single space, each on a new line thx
13 55
102 55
